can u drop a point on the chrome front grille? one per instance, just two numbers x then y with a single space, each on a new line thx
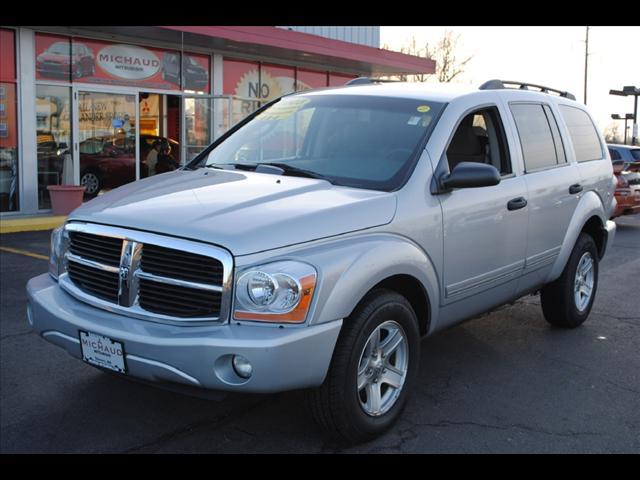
107 250
177 300
183 265
101 283
147 275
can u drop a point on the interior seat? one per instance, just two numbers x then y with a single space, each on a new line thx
466 145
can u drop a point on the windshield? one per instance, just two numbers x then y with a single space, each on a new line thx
351 140
635 153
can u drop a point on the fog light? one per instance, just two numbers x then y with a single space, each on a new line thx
242 366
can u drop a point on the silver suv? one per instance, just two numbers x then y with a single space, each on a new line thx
319 240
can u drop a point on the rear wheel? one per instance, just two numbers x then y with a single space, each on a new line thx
567 301
373 368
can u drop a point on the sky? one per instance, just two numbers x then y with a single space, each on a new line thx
551 56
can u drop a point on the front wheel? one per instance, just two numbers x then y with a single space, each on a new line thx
567 301
373 368
92 183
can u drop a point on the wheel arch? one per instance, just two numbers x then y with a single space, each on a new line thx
588 217
411 289
381 261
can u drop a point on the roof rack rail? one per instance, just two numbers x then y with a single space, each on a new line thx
496 84
367 80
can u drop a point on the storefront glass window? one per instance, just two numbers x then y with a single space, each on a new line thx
307 79
276 81
53 127
107 143
197 117
242 80
337 79
9 201
9 194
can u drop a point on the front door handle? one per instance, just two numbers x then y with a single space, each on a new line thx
517 203
576 188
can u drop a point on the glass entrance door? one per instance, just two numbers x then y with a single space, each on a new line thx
205 119
107 140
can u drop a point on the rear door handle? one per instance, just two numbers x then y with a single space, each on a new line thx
577 188
517 203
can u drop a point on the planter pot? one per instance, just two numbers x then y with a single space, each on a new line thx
65 198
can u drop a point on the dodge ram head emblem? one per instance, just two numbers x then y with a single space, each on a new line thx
124 276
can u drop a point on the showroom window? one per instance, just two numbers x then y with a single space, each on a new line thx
9 171
307 79
53 134
338 79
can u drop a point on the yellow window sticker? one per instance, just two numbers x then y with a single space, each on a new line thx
423 108
283 109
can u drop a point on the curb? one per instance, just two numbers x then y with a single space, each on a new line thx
30 224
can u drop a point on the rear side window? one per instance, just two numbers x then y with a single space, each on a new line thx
536 137
583 133
635 153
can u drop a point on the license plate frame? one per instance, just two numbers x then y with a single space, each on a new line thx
102 351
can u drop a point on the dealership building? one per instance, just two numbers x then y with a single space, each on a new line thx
92 106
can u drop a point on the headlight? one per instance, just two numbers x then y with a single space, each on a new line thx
59 243
275 292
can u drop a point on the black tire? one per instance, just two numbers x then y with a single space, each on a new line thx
335 406
557 298
92 181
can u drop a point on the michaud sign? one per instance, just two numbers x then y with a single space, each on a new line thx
61 58
128 62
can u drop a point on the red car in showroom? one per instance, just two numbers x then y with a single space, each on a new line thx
627 191
108 162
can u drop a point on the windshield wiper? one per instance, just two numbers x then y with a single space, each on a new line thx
301 172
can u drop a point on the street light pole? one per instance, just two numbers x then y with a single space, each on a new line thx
628 91
586 63
634 134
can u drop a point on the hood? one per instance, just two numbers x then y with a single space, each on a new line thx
245 212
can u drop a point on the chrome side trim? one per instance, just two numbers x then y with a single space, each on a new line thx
177 282
539 260
485 281
91 263
133 241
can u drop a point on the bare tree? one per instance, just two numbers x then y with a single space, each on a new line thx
612 133
448 66
444 53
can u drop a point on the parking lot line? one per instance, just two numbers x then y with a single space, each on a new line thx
24 252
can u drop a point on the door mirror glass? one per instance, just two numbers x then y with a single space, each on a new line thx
471 175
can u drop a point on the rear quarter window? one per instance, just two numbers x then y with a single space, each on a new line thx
583 134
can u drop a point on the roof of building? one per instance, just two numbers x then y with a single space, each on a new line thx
305 47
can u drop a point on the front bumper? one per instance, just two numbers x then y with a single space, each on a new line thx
282 358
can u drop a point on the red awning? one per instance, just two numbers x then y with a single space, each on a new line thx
313 48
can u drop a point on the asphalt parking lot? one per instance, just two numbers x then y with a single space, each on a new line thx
505 382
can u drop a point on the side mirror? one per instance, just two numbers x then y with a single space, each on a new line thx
470 175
